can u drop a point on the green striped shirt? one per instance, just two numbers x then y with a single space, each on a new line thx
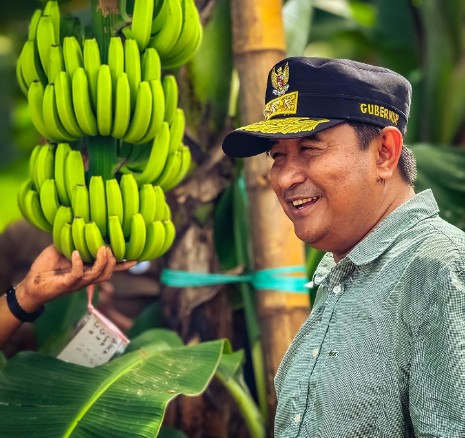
382 353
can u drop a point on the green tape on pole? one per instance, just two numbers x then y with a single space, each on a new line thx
266 279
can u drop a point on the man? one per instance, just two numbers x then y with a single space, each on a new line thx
382 353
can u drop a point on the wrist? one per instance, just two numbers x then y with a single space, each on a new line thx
25 299
20 308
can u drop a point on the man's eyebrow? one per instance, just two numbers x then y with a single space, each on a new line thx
313 137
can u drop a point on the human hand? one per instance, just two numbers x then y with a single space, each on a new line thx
52 275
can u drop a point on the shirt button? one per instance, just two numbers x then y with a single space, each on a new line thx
297 418
337 289
315 352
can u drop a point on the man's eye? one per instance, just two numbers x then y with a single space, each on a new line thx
309 149
275 155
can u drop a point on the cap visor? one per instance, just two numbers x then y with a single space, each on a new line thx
255 139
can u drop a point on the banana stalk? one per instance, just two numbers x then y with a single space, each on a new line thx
102 156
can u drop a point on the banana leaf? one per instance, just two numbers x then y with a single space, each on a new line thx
43 396
441 168
297 18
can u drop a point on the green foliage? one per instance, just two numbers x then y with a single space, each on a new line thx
125 397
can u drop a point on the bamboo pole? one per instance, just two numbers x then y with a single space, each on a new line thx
258 43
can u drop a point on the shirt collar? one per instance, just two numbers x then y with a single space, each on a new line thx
419 207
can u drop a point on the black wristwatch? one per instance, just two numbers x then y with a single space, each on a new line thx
18 311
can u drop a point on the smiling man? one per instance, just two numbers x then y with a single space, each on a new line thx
382 353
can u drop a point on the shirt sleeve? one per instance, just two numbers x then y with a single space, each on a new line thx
437 375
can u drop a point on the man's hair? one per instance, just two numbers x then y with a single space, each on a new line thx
407 166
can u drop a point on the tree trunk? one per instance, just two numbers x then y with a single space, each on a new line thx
258 43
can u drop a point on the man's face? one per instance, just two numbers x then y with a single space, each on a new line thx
327 186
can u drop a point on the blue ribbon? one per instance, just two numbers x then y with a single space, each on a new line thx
265 279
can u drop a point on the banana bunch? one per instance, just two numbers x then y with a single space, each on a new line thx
172 27
135 222
83 97
74 90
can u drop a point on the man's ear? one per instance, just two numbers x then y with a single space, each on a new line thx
389 150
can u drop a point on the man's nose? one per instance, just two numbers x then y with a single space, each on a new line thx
290 174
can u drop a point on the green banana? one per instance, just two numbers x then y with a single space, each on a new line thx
49 200
32 30
160 15
80 202
104 100
22 192
64 104
117 242
72 54
171 92
170 171
157 158
154 241
136 243
132 67
74 172
130 195
56 63
66 240
45 38
147 201
115 59
165 38
82 103
79 238
52 122
170 234
190 38
166 212
35 98
98 203
183 169
19 77
64 215
158 111
142 114
30 65
53 11
94 238
151 64
114 199
33 210
92 62
61 153
44 165
141 26
122 107
32 161
177 127
160 203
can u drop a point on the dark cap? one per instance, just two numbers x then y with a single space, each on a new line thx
307 95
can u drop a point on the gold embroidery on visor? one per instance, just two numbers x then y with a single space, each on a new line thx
285 104
288 125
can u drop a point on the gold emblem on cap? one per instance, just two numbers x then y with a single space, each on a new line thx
289 125
286 104
279 79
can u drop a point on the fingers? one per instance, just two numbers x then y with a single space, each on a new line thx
109 266
77 270
123 266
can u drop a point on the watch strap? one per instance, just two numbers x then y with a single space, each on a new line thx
17 310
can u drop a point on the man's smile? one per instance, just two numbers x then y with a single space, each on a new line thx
303 202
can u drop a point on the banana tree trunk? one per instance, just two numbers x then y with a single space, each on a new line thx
258 43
